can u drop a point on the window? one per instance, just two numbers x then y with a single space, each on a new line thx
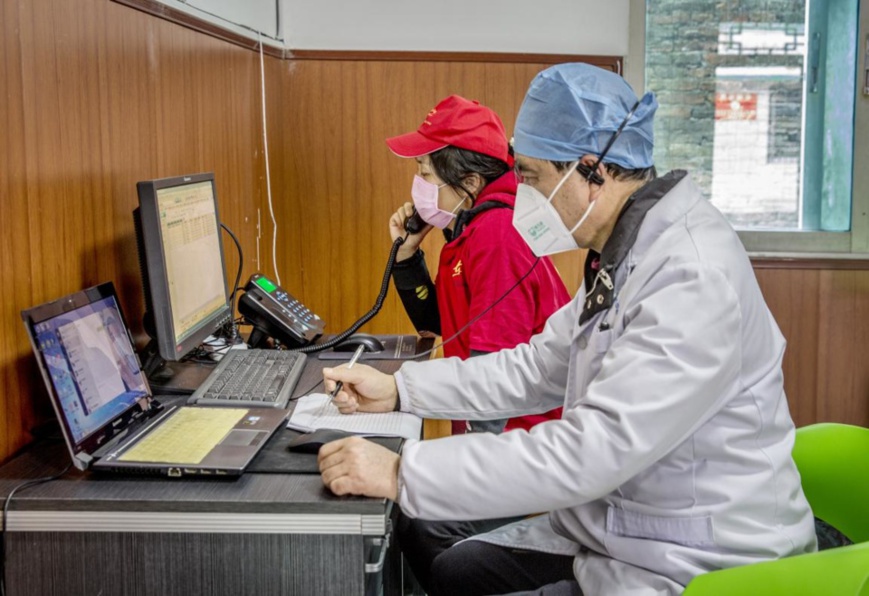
759 100
785 123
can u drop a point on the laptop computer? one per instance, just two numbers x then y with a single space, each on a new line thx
109 418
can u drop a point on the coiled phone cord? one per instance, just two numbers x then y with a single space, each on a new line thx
384 288
378 304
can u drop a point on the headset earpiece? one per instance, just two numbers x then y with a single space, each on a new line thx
589 174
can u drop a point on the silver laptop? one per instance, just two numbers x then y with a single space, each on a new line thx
109 418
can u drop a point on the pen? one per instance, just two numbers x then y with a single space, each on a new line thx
353 360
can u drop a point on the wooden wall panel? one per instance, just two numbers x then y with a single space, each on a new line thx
843 315
15 253
97 96
790 297
824 315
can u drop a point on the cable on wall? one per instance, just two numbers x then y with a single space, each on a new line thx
262 70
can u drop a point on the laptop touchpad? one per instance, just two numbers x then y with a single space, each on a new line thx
239 437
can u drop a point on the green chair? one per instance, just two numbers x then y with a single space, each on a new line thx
833 460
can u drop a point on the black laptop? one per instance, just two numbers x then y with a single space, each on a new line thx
109 418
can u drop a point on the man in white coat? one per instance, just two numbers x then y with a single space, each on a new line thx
673 456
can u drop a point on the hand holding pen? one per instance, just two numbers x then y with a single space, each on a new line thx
365 389
353 360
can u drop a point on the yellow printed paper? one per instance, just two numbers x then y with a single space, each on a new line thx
186 437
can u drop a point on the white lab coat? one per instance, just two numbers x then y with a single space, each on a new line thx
673 456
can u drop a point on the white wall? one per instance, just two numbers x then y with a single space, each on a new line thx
512 26
259 15
245 17
540 27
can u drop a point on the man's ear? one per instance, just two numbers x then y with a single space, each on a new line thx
587 163
588 160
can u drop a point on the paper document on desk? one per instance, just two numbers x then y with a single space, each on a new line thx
317 411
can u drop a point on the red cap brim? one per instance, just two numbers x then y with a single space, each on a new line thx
413 144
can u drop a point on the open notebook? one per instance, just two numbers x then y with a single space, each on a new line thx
109 418
316 411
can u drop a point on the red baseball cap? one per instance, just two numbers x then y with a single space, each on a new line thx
458 122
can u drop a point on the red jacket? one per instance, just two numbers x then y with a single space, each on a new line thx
477 268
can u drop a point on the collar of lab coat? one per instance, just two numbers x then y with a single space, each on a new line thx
600 268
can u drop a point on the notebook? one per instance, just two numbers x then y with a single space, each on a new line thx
316 411
109 418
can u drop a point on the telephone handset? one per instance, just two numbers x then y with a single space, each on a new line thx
414 224
273 312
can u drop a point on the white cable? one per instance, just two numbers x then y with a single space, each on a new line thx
266 156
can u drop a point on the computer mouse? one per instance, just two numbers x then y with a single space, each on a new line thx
371 343
312 441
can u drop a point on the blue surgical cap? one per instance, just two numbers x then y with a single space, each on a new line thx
572 110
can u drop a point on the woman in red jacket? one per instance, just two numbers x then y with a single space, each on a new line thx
465 185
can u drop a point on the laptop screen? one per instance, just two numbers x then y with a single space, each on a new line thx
89 363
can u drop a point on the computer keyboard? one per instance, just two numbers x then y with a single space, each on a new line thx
252 378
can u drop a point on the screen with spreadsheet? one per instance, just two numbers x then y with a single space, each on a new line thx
185 283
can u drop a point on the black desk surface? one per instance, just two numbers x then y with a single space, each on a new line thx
256 491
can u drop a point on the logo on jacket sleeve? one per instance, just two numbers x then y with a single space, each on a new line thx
457 270
422 292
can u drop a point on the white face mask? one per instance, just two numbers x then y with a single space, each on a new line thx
538 222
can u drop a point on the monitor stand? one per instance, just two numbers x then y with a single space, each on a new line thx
172 378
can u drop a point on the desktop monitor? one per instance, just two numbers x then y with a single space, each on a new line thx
181 256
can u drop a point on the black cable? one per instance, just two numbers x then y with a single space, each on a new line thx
201 355
307 391
378 304
235 288
215 346
206 351
477 318
384 288
6 504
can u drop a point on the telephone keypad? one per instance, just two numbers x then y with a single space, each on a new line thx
279 312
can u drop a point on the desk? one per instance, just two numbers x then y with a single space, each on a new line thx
261 534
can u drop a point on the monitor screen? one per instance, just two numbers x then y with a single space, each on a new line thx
178 230
91 363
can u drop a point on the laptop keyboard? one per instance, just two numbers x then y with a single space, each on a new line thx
252 378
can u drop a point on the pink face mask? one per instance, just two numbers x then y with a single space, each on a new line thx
425 199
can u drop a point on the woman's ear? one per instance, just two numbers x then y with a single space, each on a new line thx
474 184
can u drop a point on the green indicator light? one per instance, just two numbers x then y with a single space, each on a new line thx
266 284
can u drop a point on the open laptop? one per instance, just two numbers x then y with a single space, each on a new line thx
109 418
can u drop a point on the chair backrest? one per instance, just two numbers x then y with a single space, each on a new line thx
833 460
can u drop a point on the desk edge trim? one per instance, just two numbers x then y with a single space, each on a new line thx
194 523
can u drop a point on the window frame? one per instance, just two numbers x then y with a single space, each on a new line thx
794 243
